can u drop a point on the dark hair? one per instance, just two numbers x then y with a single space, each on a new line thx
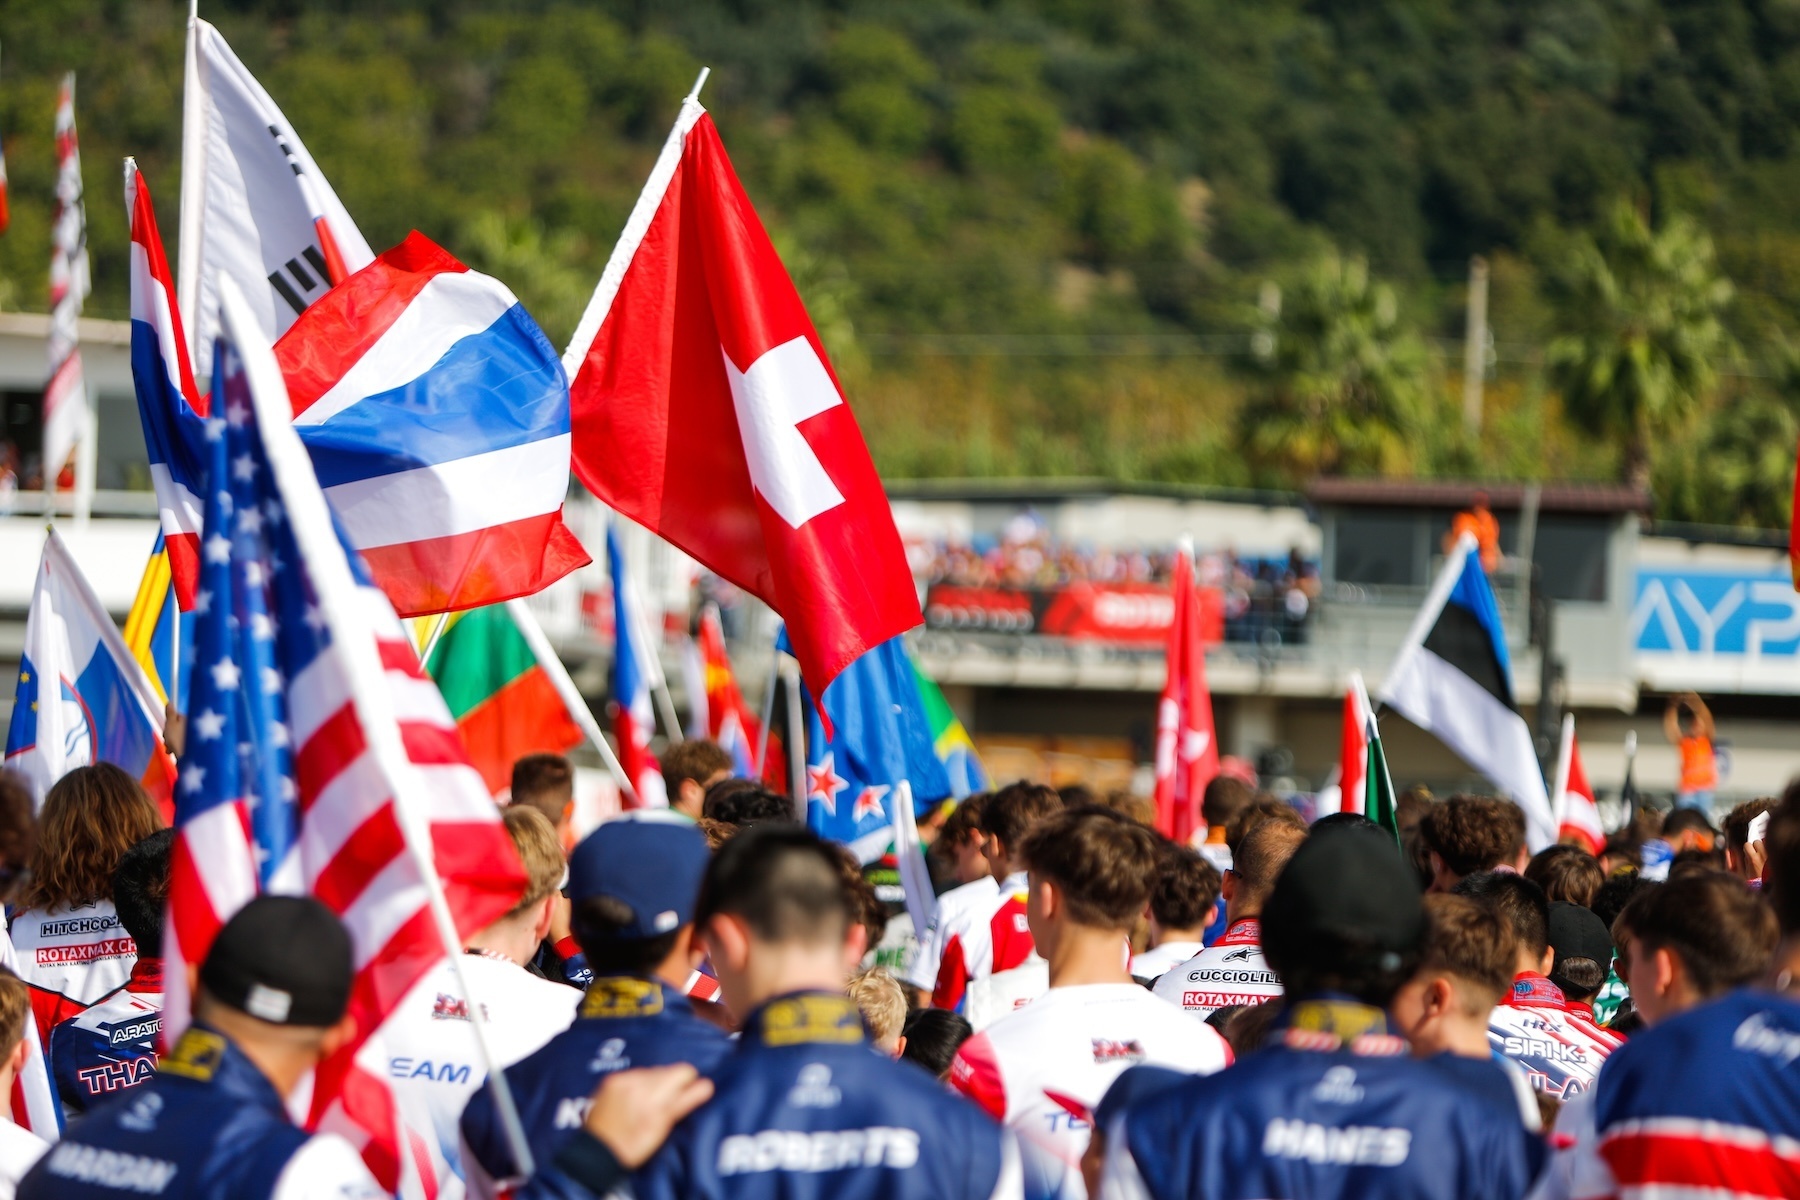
140 890
782 880
1075 794
1579 978
595 925
1721 930
964 821
1262 856
546 782
1225 797
18 830
1467 939
745 802
1186 887
91 817
866 908
1102 860
1566 873
1359 967
1615 893
1518 902
1473 833
1686 820
1260 809
698 759
1781 877
1736 825
1015 809
933 1036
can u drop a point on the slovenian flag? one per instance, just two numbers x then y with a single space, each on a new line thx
1453 678
504 703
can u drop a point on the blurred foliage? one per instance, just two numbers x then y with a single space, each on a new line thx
1034 232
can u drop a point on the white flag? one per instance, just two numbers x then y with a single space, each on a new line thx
254 206
66 417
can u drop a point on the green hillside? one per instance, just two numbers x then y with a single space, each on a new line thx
1195 240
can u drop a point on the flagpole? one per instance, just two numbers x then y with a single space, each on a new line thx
438 624
796 737
312 524
193 180
547 658
1565 754
1626 809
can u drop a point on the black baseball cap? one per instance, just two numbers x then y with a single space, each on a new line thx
282 959
1575 932
1346 889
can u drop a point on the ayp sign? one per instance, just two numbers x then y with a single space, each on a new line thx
1723 630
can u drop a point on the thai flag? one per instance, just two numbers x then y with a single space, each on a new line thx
81 696
320 758
634 720
437 416
1453 678
169 405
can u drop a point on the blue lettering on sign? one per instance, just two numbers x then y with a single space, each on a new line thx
1708 614
403 1067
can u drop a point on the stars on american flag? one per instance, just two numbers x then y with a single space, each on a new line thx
209 725
226 675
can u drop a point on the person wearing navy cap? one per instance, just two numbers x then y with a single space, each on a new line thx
632 888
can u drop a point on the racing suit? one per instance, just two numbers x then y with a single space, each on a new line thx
1332 1108
806 1108
71 956
1042 1069
991 937
951 912
1559 1047
1230 971
622 1022
110 1048
1704 1103
1152 965
209 1126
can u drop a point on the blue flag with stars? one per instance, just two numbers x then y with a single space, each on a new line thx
880 753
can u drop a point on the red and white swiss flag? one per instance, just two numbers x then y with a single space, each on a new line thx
704 409
1187 752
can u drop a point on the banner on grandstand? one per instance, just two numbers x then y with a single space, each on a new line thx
1716 629
1101 612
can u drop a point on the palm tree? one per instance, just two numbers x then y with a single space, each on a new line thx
1639 309
1344 380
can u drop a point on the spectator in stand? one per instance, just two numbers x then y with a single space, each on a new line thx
1042 1069
803 1079
995 936
1225 798
108 1049
546 782
67 934
1479 522
1558 1046
522 1011
1705 1100
1233 970
19 1147
931 1038
633 886
964 844
1688 724
1182 899
745 802
1466 834
882 1004
1333 1106
689 768
1746 864
1566 873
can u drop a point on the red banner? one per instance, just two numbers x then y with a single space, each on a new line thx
1103 612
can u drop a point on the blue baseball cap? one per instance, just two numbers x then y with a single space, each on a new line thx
651 863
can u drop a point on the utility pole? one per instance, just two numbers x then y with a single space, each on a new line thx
1475 338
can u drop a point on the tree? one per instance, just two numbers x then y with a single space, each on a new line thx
1639 309
1344 380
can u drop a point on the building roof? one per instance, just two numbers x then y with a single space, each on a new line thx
1451 493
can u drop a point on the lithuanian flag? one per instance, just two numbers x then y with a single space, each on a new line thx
504 704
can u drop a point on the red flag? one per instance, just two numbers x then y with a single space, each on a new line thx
1580 815
1187 753
705 410
1353 753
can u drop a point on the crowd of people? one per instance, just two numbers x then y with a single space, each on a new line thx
683 1006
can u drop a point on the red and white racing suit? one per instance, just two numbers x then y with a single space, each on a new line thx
1230 971
992 937
952 911
1557 1044
71 957
1041 1070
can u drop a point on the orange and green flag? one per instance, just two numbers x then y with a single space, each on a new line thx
504 704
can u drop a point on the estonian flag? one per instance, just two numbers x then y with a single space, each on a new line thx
1452 678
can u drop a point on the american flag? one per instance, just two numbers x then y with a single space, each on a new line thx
320 757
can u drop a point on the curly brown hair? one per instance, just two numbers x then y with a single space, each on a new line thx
90 818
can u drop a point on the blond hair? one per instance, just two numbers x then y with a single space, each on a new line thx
91 817
883 1005
535 839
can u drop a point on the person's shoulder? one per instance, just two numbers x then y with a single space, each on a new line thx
324 1166
19 1149
1487 1082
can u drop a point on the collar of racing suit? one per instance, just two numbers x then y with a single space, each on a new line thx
207 1057
1529 989
146 976
806 1018
629 996
1330 1021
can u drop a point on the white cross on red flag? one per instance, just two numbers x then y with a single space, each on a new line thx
705 409
1187 753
